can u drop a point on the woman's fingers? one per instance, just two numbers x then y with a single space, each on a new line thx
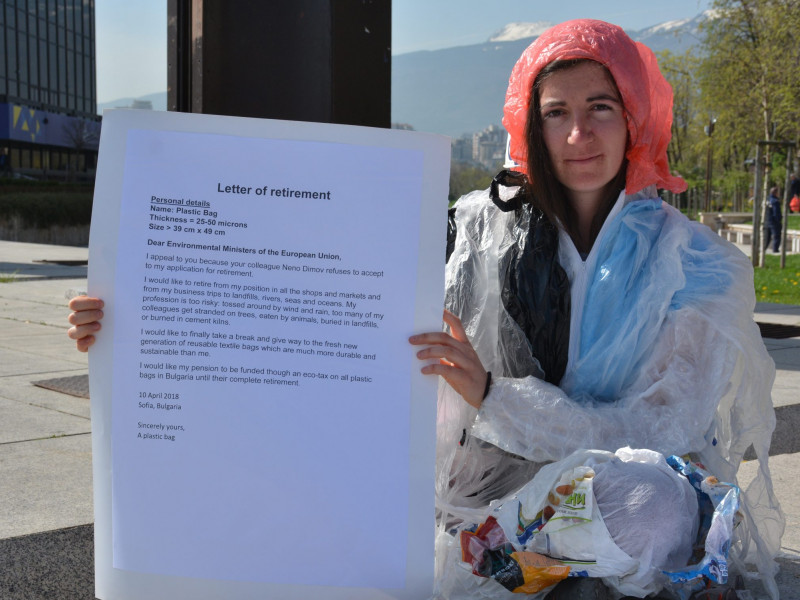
470 382
456 328
452 354
85 343
85 320
83 335
80 303
436 337
81 331
444 346
457 333
83 317
457 378
458 363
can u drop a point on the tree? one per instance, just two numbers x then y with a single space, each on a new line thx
465 178
680 70
749 75
81 134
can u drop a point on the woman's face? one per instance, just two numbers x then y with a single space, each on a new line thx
584 129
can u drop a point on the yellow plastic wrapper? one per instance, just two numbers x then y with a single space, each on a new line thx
539 571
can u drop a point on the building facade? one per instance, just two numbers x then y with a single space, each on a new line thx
485 148
48 95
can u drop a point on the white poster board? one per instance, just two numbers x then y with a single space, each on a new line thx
260 426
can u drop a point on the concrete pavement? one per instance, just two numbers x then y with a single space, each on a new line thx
46 512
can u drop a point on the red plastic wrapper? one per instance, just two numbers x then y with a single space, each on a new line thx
474 545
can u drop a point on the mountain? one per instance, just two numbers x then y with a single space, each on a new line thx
462 90
157 100
675 36
520 31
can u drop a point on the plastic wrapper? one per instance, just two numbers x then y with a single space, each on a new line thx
719 512
652 363
490 554
629 518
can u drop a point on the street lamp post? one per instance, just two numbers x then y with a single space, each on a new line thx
709 129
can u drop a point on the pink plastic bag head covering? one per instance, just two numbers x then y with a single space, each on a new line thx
646 95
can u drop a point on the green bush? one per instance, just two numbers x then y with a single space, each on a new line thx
43 208
465 178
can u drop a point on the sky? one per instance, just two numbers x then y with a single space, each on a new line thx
132 35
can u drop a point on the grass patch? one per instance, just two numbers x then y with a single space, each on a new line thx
8 277
780 286
794 222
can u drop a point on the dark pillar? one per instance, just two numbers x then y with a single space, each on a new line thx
305 60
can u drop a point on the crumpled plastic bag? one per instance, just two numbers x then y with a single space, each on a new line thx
650 512
632 518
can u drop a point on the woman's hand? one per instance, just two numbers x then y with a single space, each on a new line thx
85 320
458 362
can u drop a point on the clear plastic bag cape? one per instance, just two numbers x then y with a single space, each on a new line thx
676 369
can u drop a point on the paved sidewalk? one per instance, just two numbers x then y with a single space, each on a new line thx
46 510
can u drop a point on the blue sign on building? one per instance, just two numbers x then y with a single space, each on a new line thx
25 124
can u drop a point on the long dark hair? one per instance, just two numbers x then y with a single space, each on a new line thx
548 193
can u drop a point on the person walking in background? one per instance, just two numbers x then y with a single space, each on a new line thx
772 224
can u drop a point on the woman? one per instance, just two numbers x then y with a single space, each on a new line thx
606 318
